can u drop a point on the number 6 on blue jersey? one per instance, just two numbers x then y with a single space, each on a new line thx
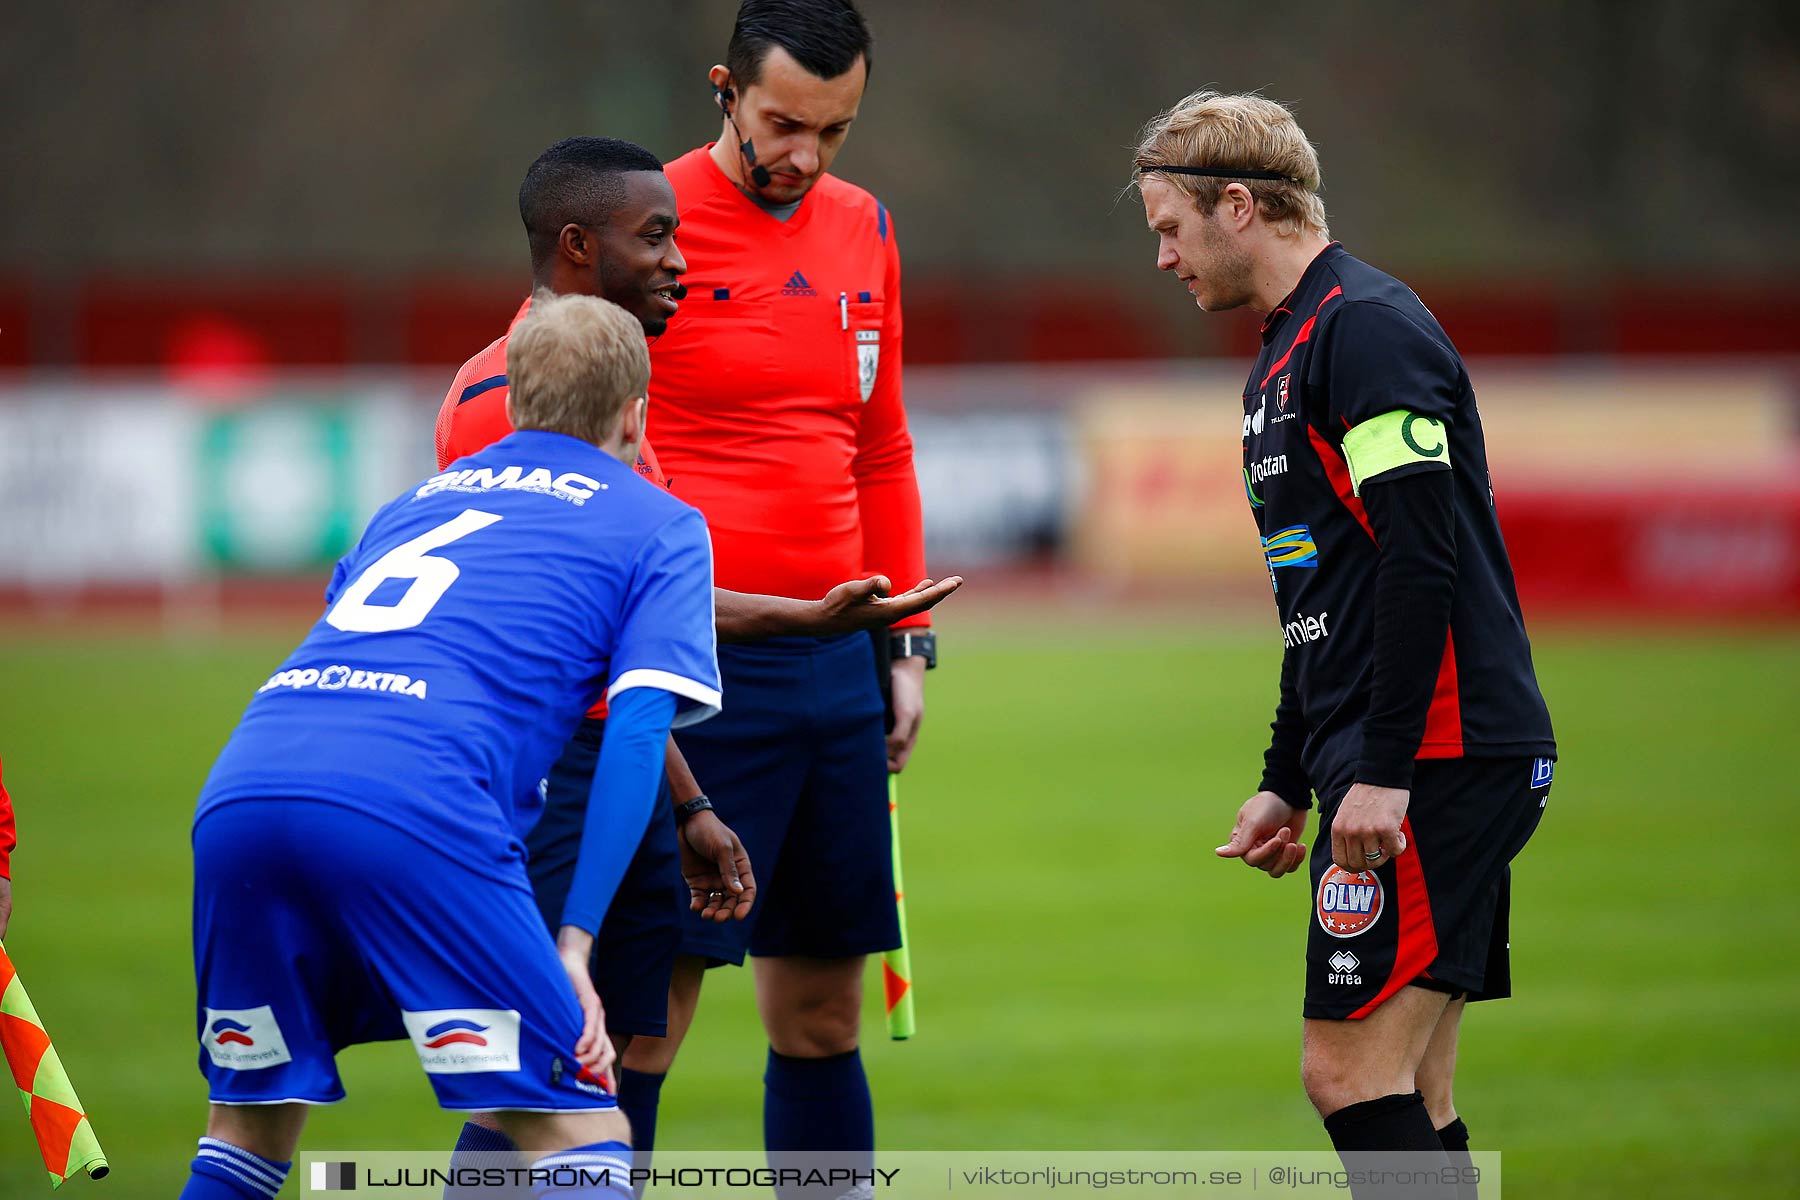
431 577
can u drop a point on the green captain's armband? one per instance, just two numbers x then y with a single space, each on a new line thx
1393 440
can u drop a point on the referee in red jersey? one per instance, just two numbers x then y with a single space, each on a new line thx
1408 699
776 410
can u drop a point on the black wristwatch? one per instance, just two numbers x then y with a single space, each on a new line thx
688 808
908 643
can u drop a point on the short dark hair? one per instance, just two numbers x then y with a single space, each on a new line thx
824 36
577 181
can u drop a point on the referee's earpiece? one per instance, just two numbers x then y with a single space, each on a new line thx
723 96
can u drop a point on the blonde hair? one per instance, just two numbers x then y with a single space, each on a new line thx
1246 133
573 364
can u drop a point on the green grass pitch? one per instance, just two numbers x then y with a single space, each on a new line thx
1089 976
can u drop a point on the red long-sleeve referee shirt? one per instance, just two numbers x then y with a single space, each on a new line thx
8 836
775 395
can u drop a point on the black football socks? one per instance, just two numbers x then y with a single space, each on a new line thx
1369 1136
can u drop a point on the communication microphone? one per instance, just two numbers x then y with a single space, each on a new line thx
680 292
758 175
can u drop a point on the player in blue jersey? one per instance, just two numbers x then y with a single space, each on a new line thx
359 869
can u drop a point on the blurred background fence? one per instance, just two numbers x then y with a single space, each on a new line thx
1628 487
246 246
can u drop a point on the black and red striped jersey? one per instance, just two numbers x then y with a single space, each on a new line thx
1357 382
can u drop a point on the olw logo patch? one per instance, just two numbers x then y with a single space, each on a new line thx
1348 902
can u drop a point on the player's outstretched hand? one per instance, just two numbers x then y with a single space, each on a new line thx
1267 835
865 603
1369 820
717 869
575 946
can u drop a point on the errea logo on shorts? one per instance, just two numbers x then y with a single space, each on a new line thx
580 1078
1343 969
244 1039
1349 902
464 1041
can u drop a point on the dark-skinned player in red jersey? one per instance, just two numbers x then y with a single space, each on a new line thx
601 219
1408 699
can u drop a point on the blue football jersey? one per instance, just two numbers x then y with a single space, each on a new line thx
466 635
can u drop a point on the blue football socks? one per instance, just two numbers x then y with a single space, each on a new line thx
818 1105
577 1174
222 1171
640 1092
475 1141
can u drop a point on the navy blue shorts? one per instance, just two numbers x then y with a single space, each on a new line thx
634 956
318 927
796 764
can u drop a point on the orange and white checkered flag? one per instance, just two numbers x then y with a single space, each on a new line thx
64 1136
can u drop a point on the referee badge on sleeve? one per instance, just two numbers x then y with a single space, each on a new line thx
868 358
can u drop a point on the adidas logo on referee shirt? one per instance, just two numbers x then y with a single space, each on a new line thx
797 286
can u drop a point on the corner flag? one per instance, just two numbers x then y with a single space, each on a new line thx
64 1136
896 966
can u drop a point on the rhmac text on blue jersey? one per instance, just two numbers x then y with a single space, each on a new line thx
572 486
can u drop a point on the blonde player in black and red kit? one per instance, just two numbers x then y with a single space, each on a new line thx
1408 699
776 410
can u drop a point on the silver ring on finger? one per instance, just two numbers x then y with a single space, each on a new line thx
1375 855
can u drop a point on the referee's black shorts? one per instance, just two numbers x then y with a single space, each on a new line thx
1436 916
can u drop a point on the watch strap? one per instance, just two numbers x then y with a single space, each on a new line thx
688 808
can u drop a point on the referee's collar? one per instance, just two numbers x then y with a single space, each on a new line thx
1273 322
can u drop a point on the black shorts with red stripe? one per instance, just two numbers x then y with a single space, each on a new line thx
1436 916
